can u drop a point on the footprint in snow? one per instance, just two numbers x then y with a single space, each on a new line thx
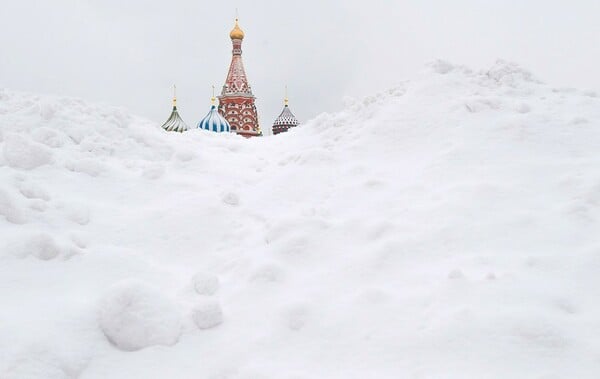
456 274
230 198
267 274
205 283
296 317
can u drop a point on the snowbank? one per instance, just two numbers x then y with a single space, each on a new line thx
445 228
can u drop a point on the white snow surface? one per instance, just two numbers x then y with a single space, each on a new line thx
446 228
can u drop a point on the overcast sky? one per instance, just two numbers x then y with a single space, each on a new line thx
130 52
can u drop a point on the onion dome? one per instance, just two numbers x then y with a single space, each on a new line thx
214 121
236 32
286 120
175 123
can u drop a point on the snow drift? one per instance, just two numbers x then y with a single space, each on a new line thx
446 228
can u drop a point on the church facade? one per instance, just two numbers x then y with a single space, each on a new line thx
236 111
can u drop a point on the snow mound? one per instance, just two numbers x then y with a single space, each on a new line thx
133 315
444 67
33 191
21 152
39 245
438 229
10 209
509 73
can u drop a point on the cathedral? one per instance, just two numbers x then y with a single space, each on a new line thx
236 110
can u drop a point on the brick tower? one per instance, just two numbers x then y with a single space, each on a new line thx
236 102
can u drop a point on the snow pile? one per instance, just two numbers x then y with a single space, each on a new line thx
135 315
20 152
38 245
436 230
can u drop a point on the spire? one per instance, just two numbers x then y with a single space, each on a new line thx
236 101
174 96
286 100
213 99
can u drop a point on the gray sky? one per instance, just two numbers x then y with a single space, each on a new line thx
130 52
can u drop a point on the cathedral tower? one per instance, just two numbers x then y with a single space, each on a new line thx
236 102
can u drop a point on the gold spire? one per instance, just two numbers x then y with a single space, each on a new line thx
174 95
286 100
236 32
213 99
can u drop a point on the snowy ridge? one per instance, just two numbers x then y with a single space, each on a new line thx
447 228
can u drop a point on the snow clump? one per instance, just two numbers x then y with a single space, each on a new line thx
207 314
9 209
23 153
134 315
205 283
39 245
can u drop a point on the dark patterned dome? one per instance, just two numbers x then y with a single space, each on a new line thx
285 121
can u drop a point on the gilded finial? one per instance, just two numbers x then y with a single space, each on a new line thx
286 100
174 95
213 99
236 32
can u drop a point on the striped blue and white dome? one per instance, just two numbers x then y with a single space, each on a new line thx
214 121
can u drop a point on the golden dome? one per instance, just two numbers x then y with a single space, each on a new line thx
236 32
